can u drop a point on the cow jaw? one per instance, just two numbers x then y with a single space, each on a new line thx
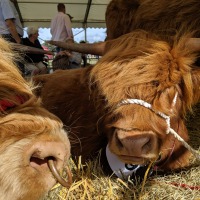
134 146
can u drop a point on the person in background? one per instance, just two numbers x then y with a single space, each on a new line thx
84 56
10 26
61 28
35 64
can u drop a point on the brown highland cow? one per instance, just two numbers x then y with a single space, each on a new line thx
134 100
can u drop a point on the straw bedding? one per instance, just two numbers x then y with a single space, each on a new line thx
90 183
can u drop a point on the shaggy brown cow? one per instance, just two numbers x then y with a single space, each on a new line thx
127 100
157 16
29 137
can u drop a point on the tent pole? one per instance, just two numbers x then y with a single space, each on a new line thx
86 17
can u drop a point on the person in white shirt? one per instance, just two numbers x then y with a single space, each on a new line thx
10 26
61 28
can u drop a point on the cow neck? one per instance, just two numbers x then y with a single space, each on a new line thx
165 117
7 104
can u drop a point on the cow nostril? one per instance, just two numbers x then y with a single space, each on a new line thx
37 161
147 146
51 163
118 141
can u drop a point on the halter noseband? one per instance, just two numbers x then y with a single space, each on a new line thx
167 119
8 104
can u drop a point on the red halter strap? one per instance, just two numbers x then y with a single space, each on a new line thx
6 104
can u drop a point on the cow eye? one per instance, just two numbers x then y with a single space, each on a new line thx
115 118
111 122
155 83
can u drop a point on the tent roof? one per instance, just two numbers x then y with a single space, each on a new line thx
85 13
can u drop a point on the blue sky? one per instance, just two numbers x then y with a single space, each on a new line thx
93 34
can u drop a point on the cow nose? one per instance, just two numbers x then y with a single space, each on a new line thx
41 151
44 156
136 144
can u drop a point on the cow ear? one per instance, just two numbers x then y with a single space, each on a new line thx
168 98
196 84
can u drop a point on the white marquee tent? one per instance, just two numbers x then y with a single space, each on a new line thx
85 13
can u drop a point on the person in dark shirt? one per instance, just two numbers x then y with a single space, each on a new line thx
35 64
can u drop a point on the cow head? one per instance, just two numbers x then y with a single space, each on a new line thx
29 136
157 72
146 81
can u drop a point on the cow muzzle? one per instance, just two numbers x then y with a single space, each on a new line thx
134 147
49 156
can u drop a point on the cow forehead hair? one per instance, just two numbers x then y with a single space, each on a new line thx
140 62
142 59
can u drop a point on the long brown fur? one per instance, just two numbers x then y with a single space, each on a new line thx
142 59
158 16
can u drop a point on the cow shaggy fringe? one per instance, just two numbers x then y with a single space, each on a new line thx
147 51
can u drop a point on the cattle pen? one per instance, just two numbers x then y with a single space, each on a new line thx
90 183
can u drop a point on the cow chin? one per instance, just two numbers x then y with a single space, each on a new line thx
134 147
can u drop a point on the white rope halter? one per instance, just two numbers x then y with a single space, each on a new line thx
167 119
